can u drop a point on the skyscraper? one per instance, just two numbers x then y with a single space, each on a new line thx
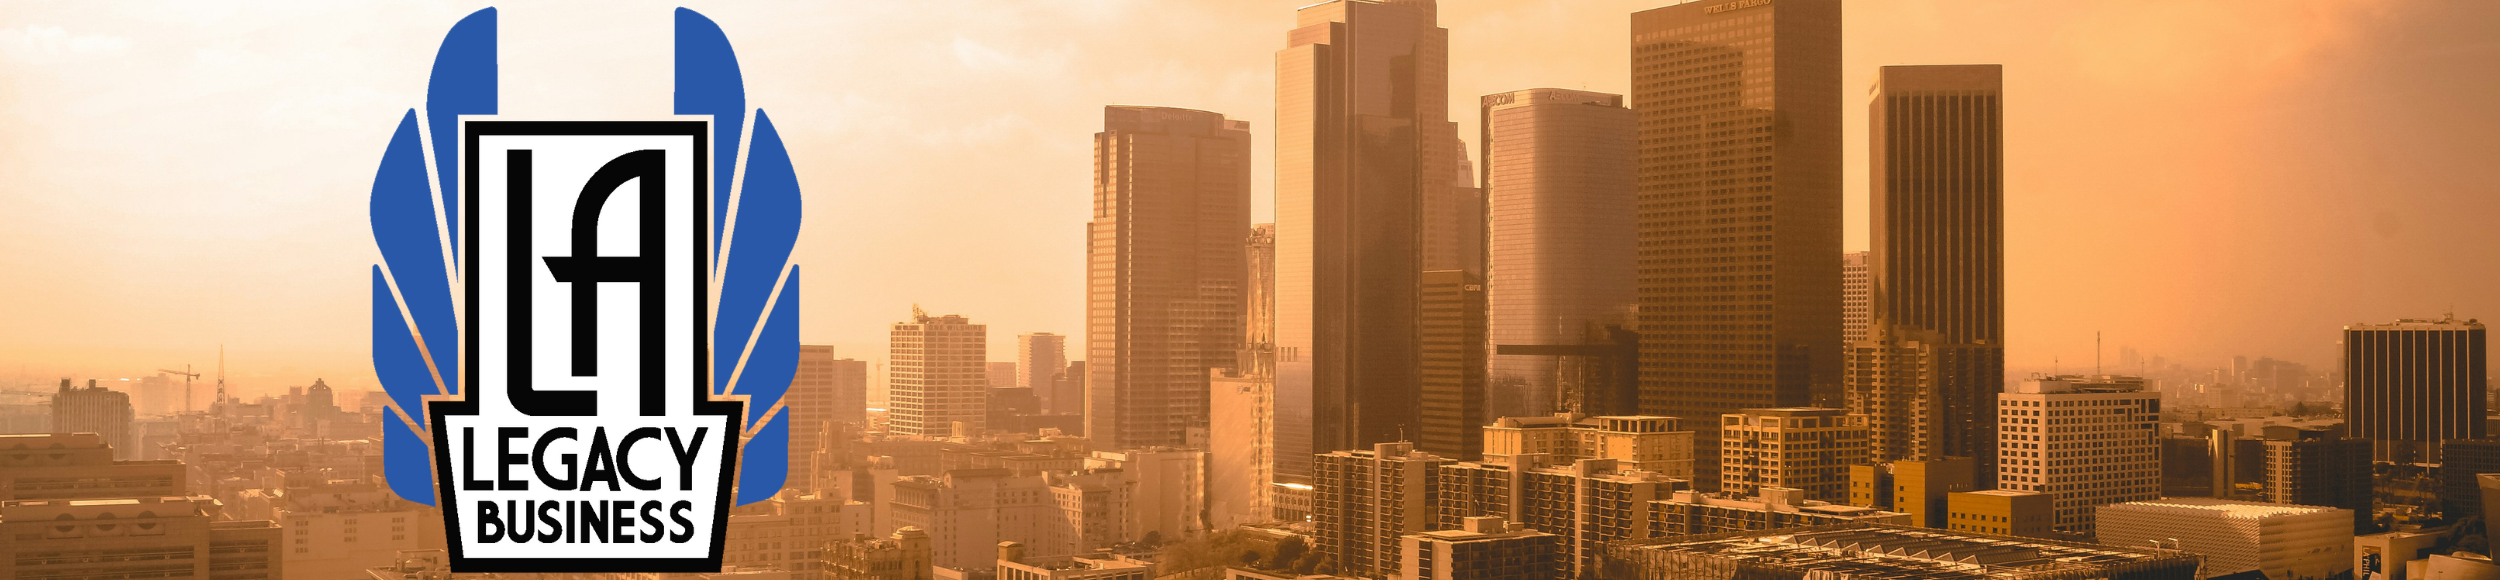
1853 290
2416 383
2088 440
1365 156
1040 357
1164 294
1558 168
938 376
1739 208
1936 270
1451 346
104 412
1241 429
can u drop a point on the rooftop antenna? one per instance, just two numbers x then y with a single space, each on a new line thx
2096 352
221 375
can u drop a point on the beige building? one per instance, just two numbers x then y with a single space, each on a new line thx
1740 191
135 537
1013 564
903 556
1690 513
1807 449
1922 489
1241 420
1589 502
338 532
967 512
104 412
1481 548
791 532
1165 270
1166 489
2090 441
2285 542
1558 167
938 376
1661 445
2002 512
1366 500
826 389
1040 358
82 466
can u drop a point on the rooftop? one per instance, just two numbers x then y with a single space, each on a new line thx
1885 552
2226 508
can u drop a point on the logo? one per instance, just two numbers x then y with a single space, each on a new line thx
585 327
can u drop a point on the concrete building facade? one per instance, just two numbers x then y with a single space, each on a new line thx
2414 384
1802 448
938 376
2090 441
2285 542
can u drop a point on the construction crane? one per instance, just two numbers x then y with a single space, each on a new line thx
186 375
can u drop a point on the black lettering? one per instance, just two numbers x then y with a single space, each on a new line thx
586 269
685 457
489 523
621 515
547 517
651 517
625 458
685 527
572 473
468 451
521 521
594 521
506 458
572 533
602 464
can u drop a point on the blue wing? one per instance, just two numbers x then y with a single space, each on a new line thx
418 353
751 250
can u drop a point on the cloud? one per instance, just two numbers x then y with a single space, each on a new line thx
35 43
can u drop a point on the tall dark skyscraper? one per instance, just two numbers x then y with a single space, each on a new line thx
1451 342
1367 172
2411 385
1165 273
1739 203
1936 267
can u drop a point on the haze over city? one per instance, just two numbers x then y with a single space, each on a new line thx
2194 180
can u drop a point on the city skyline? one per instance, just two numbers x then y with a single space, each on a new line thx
135 270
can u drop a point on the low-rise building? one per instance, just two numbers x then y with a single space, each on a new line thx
1641 443
1802 448
903 556
134 537
1996 511
2285 542
79 465
1013 564
1484 548
2384 556
1690 513
1861 551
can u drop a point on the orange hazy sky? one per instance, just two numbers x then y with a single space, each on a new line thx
2196 179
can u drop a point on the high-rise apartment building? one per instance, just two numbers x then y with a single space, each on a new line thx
1739 208
938 376
1558 180
1040 357
1926 369
1164 289
2413 384
2090 440
1367 174
1452 359
1366 500
1803 448
1480 548
1589 502
104 412
1661 445
1853 298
